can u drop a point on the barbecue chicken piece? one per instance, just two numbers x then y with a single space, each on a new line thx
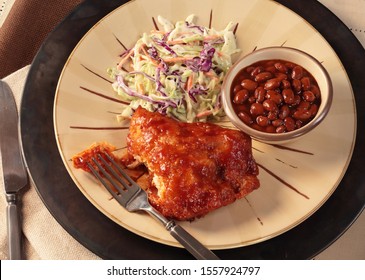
194 168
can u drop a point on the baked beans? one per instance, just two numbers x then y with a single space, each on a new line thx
275 96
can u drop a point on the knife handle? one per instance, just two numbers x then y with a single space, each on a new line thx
14 234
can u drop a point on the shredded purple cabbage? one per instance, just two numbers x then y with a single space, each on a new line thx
166 46
131 92
158 82
206 56
194 64
165 36
200 28
204 61
163 66
152 51
197 90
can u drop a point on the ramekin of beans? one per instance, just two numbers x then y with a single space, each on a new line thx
276 94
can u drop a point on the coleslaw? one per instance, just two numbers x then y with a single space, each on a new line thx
177 71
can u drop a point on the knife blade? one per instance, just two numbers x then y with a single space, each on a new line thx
15 174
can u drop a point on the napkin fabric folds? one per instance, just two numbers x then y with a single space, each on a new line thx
26 27
21 35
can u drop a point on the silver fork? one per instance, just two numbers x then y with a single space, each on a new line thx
133 198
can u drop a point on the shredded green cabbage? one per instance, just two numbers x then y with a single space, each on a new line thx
177 71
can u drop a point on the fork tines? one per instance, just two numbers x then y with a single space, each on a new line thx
112 176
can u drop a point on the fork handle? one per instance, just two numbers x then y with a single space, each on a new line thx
198 250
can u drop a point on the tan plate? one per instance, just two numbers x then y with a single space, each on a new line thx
296 179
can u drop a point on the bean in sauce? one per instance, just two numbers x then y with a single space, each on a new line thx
275 96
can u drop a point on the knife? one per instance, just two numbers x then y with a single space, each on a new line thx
15 174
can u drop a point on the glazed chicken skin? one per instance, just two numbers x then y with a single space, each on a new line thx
194 168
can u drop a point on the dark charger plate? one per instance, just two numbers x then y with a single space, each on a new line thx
109 240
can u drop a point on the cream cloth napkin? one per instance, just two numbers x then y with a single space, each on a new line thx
43 237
